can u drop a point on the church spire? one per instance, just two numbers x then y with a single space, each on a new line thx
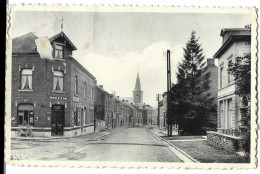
137 83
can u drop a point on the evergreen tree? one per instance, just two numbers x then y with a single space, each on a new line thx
189 104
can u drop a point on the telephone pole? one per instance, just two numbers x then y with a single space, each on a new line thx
169 120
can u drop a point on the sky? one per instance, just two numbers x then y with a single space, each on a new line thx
115 46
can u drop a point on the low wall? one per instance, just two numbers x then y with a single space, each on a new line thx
100 125
227 142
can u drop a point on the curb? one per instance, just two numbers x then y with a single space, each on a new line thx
176 148
60 138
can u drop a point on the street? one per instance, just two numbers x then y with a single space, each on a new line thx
128 144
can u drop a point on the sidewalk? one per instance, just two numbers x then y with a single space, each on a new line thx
88 137
198 148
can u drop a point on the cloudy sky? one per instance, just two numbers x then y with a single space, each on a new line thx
114 46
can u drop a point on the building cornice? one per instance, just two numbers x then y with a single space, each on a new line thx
229 41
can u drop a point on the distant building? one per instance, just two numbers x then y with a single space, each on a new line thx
149 115
103 114
162 112
236 42
53 97
210 122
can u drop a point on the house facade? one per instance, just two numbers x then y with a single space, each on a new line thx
52 96
236 43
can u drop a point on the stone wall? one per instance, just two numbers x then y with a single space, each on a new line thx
227 142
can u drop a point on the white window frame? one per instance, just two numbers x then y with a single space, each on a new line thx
59 75
58 49
26 74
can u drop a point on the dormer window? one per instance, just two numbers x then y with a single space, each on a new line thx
58 51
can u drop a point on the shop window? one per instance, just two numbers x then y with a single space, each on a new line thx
58 51
26 79
25 115
76 117
58 81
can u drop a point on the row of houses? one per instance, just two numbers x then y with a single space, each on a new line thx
55 95
225 129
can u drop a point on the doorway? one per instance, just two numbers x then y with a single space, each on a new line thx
57 119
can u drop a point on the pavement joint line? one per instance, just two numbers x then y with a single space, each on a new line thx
177 149
190 140
101 136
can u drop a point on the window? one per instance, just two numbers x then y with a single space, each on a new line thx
58 51
26 79
25 115
85 90
92 93
221 77
76 117
85 116
58 81
229 75
76 85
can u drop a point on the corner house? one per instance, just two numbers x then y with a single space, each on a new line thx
53 96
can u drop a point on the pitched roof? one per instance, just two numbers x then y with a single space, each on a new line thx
137 83
24 44
62 34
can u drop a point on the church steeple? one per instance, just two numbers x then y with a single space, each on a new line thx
137 83
137 93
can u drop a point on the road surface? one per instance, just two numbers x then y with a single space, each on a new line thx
129 144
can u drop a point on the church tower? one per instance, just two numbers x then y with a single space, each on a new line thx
137 93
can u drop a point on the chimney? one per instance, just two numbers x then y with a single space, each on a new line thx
101 86
210 61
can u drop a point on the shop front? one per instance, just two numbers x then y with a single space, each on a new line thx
25 115
57 119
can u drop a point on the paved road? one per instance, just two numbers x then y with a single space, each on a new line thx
130 144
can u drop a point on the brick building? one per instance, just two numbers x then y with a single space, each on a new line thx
210 122
52 96
236 42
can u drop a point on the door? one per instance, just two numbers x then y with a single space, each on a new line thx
81 120
57 120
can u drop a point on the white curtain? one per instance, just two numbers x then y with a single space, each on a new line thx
61 83
55 79
23 82
30 81
60 54
56 53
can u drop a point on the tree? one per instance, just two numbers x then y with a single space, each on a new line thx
241 70
188 103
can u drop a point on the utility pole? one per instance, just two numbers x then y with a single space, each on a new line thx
169 120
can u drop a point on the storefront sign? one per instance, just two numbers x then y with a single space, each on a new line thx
57 107
75 98
58 98
77 105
